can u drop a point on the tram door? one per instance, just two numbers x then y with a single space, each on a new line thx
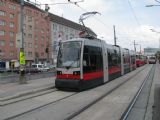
105 64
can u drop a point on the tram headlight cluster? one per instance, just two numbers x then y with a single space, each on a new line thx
59 72
76 72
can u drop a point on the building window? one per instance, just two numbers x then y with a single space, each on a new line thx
28 12
36 37
11 53
30 27
24 26
29 35
29 54
11 34
24 34
42 31
2 52
2 22
2 32
42 38
42 45
30 45
25 17
36 46
11 24
29 19
2 3
2 13
42 54
11 43
66 37
66 29
13 7
11 15
54 27
2 42
36 22
25 44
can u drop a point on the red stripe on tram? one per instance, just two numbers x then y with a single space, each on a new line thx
114 70
93 75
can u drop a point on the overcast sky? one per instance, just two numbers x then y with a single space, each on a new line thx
132 19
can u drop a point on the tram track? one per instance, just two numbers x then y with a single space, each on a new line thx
26 96
100 98
150 77
39 107
73 94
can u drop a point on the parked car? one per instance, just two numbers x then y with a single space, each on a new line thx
2 70
52 67
152 60
40 67
27 70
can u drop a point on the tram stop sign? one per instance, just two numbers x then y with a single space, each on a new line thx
22 58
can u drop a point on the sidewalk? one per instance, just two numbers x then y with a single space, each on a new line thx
15 89
153 97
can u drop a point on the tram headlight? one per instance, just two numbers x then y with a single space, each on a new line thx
59 72
76 72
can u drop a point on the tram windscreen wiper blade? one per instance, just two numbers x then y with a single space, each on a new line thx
69 66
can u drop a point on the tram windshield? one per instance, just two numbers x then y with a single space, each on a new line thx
69 55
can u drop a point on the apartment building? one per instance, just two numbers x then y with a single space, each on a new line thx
9 12
42 32
63 29
37 34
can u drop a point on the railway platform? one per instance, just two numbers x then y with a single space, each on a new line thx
14 90
85 105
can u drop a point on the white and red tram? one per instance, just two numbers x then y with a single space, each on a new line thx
84 63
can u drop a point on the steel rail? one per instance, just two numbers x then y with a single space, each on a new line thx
28 96
100 98
131 105
39 107
79 111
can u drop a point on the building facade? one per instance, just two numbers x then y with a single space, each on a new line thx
42 33
9 17
62 30
151 51
37 36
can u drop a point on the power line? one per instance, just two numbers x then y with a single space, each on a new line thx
132 10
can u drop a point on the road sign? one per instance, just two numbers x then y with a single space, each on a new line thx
22 58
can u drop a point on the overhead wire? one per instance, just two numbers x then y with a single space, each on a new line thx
135 16
108 27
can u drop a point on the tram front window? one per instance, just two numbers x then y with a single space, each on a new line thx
69 55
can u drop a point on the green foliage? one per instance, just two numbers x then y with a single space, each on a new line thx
158 54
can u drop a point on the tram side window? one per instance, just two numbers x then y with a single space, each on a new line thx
113 58
133 59
92 59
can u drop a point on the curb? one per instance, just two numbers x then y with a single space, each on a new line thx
21 94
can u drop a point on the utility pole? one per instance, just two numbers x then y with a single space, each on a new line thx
159 43
140 49
22 55
115 42
48 44
134 46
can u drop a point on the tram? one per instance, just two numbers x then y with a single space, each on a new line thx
84 63
141 60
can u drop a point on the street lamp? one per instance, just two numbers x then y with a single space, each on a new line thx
153 5
157 33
